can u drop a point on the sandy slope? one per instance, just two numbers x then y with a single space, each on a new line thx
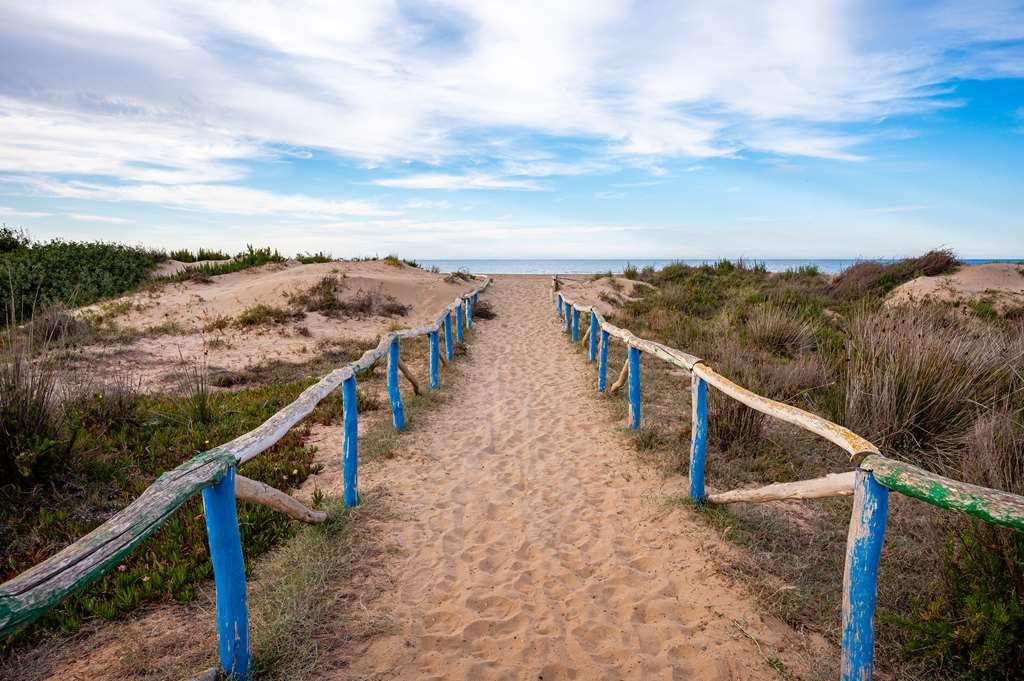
1002 283
535 547
156 359
606 294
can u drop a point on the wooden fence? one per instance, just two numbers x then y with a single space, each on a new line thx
213 473
869 483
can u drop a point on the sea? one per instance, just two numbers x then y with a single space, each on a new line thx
592 266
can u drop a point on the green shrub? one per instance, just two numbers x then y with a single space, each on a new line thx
211 254
182 255
310 258
266 314
251 257
37 275
876 279
974 626
630 271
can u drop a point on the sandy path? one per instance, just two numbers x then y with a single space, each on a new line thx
536 547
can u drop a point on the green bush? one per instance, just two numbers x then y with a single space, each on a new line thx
34 276
310 258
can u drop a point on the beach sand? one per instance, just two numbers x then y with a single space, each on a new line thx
1000 282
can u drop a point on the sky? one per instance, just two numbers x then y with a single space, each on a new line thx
598 128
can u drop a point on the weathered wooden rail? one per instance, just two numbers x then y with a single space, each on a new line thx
869 483
213 473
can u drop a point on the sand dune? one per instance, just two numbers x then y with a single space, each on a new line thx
533 545
1002 283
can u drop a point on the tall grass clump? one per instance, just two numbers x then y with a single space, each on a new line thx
916 378
780 331
870 278
251 257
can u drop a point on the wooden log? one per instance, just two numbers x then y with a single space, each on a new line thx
621 380
27 596
634 388
586 337
602 365
394 393
698 436
991 505
221 513
350 442
847 439
832 485
435 360
860 576
409 376
260 493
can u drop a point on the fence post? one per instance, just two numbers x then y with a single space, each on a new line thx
698 436
602 364
435 361
350 444
449 350
458 323
469 313
568 316
860 578
592 349
476 297
558 304
634 388
219 508
394 394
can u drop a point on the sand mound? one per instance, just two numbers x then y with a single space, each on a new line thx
607 294
1002 283
198 322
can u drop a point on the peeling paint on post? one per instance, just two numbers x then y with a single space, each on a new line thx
602 364
575 325
350 444
435 361
458 324
469 313
592 349
567 316
860 578
449 349
634 388
394 394
220 510
698 437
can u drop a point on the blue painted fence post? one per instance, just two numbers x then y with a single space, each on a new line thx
219 507
592 350
575 325
634 388
435 361
698 436
558 304
568 316
476 297
469 313
350 445
458 324
449 349
394 394
860 578
602 364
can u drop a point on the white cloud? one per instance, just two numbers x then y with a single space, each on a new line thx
88 217
451 182
7 211
894 209
211 198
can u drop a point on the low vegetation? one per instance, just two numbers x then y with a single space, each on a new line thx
326 297
35 275
937 385
185 255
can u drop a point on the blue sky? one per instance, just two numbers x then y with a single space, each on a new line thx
494 129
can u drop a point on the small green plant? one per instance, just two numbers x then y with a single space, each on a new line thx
266 314
182 255
394 260
310 258
984 308
630 272
211 254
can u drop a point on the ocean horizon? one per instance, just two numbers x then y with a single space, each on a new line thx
617 265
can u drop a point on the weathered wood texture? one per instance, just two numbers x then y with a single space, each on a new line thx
261 493
991 505
42 586
832 485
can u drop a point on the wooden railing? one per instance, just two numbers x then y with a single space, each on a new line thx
33 592
869 483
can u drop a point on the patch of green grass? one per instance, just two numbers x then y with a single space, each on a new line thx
310 258
266 314
107 453
251 257
984 308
